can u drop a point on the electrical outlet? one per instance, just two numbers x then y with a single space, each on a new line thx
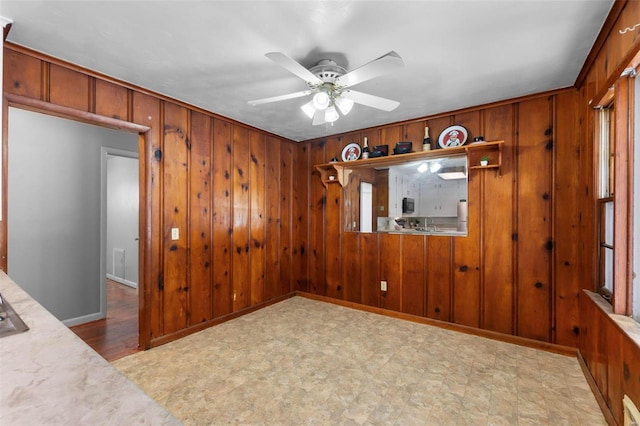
383 285
175 234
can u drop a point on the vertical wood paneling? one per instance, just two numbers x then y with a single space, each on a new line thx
497 245
333 236
614 378
373 137
591 340
301 247
413 276
369 269
289 223
273 185
241 266
471 122
146 111
258 216
61 80
439 278
351 267
222 222
200 219
436 126
466 274
22 75
629 369
535 245
317 202
334 279
112 100
391 270
414 132
333 146
390 135
467 292
175 208
567 284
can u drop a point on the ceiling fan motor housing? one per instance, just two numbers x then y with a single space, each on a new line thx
327 70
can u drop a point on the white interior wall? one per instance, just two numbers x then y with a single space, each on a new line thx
122 218
54 210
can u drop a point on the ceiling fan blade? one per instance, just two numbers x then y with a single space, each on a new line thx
293 66
280 98
370 100
318 118
383 65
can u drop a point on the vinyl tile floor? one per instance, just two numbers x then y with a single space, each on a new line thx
302 361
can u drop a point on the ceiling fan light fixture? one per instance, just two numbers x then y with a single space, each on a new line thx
344 105
331 114
308 109
321 100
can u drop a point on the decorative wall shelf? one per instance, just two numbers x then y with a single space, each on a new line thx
338 172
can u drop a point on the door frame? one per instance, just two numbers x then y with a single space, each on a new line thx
144 201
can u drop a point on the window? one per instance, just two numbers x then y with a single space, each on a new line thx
606 132
618 182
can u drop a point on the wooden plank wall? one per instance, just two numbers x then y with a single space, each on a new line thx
502 277
611 356
229 188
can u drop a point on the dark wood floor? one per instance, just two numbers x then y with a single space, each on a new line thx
117 335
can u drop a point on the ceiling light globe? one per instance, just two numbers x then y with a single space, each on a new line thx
344 104
308 109
331 115
321 100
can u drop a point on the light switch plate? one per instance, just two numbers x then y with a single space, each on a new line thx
175 234
383 285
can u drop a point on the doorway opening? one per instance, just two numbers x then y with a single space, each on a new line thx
55 216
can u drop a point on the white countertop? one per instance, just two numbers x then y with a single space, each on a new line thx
48 375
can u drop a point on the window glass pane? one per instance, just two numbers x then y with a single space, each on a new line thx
605 152
608 269
608 225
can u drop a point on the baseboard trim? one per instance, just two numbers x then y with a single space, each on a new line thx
521 341
122 281
83 319
204 325
606 411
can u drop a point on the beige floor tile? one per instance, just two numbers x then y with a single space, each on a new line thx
306 362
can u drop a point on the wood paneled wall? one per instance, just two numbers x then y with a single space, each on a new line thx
228 188
504 275
610 355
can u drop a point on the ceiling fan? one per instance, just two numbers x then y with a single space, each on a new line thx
330 85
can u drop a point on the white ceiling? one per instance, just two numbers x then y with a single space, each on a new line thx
211 54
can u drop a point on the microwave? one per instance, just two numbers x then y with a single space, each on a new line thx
408 205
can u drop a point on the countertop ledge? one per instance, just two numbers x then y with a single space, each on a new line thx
50 376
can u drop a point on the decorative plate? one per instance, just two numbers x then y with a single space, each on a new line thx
452 137
351 152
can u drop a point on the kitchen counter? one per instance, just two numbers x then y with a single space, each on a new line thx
48 375
442 232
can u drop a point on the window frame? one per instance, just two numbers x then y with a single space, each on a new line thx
620 101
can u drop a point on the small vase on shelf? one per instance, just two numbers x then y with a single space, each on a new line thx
484 161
